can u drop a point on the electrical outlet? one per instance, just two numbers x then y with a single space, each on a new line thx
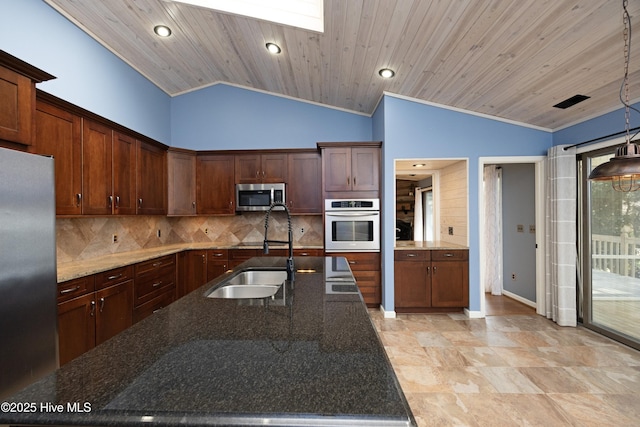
450 231
302 230
206 231
520 228
115 238
513 276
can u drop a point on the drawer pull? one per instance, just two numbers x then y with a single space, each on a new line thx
155 285
353 262
448 254
304 254
217 254
156 264
411 255
66 291
115 276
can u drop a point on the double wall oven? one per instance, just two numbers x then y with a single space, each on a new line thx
352 225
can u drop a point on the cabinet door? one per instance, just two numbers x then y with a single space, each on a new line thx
215 184
124 174
412 280
365 167
337 169
217 263
247 168
97 178
152 179
181 183
194 270
59 134
450 283
114 310
17 93
304 189
273 167
76 327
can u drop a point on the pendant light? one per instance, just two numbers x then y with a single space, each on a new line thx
623 170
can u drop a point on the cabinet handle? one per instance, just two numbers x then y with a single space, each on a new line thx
353 262
78 199
304 254
434 270
411 255
348 180
66 291
156 264
428 270
155 285
93 309
217 254
354 180
448 254
115 276
204 259
193 204
101 304
117 202
257 174
139 203
263 175
110 201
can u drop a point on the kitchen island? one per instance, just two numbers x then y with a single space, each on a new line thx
307 356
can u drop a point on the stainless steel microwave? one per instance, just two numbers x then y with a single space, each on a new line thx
258 197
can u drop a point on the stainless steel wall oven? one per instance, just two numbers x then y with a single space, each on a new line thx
352 225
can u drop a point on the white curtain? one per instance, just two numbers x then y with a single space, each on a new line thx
418 221
560 239
493 230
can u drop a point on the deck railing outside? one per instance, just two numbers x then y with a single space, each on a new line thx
616 254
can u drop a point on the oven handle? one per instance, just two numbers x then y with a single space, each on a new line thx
350 214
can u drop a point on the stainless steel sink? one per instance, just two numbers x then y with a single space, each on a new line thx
250 284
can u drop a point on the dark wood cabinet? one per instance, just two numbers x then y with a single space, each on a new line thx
431 280
215 184
124 174
93 309
151 179
59 134
18 100
366 269
304 189
155 286
260 167
181 182
97 168
217 263
192 270
350 169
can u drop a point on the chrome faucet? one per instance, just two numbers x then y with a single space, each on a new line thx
265 245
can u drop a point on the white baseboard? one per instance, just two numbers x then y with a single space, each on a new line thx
473 314
387 314
519 298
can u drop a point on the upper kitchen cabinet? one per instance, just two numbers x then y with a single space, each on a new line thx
350 169
304 190
59 134
97 169
124 174
152 179
260 167
181 185
18 100
215 185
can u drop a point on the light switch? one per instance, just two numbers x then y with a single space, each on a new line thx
520 228
532 229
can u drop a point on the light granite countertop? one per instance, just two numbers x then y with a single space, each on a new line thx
75 269
408 245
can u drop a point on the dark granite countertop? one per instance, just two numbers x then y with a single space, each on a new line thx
308 356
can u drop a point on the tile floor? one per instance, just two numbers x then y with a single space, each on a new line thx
510 370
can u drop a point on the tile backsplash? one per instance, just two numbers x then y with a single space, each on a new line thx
86 238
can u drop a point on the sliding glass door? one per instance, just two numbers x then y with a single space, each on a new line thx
610 255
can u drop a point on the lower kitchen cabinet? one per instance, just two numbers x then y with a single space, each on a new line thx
192 271
154 279
217 262
431 280
103 309
365 267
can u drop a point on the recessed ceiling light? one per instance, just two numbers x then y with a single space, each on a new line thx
386 73
419 165
273 48
162 30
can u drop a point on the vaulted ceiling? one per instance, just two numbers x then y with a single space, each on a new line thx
513 59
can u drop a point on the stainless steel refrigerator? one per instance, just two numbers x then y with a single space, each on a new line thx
28 285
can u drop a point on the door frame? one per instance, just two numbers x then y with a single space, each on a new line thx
540 189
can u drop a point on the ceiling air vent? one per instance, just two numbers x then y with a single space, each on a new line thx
570 102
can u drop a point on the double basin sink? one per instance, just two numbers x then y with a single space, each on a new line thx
249 284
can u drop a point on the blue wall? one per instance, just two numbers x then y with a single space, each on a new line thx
418 130
87 74
223 117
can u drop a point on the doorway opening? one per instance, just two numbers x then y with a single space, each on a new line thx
528 233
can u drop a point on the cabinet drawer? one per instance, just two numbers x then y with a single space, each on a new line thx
444 255
360 261
308 252
153 265
151 285
74 288
218 254
153 305
411 255
113 277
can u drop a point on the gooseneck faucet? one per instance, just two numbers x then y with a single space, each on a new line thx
265 245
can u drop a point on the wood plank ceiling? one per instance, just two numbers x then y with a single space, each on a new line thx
512 59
